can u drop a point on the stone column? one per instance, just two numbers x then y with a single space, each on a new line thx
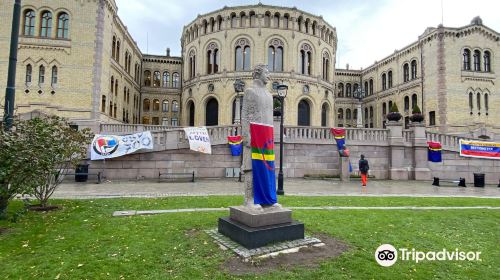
397 171
421 169
237 113
345 175
359 117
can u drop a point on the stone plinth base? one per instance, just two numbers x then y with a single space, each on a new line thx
345 175
422 174
260 218
255 237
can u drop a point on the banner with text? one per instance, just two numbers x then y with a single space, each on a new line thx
199 140
111 146
478 149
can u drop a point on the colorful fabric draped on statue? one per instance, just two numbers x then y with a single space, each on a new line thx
235 144
264 178
434 152
339 135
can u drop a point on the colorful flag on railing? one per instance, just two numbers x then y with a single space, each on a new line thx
339 135
479 149
434 152
264 178
235 143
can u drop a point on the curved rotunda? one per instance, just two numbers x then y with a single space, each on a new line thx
223 46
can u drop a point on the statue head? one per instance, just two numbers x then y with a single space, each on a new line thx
261 73
239 85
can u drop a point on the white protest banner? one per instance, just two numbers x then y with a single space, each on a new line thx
111 146
198 139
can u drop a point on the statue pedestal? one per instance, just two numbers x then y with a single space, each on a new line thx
345 175
254 228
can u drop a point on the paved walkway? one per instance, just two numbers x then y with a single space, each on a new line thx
298 187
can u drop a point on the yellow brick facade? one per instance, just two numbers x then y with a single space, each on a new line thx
97 83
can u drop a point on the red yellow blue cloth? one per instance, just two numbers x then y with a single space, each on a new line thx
264 177
434 152
339 135
235 143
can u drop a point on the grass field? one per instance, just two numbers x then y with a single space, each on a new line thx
83 241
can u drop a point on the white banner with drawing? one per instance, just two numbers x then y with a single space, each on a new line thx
111 146
199 140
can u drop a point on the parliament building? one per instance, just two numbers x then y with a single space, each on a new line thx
76 59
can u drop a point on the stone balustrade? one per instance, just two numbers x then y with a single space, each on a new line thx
168 137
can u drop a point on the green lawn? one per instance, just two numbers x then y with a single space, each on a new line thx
83 241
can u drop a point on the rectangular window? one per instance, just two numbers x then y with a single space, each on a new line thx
432 118
156 120
164 121
174 122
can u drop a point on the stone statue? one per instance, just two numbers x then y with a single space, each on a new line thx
257 108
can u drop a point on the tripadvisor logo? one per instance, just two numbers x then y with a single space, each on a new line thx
387 255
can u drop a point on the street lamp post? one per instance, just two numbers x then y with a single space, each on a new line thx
10 91
359 93
239 88
282 91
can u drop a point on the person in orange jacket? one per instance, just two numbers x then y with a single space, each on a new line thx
363 169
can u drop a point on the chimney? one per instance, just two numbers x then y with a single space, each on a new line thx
168 52
347 66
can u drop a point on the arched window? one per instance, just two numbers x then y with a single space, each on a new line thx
166 79
126 60
103 104
233 20
219 25
212 24
46 26
192 64
156 105
324 115
341 90
253 19
29 73
487 61
205 26
146 105
286 19
175 106
112 84
326 66
471 102
414 99
41 75
277 20
299 23
164 106
156 79
29 23
117 51
367 92
371 86
384 81
466 59
389 79
348 114
305 59
212 112
371 117
54 75
243 19
191 113
212 58
413 69
348 90
314 25
355 88
267 19
307 25
406 73
113 48
175 80
116 87
479 102
486 105
147 78
477 60
384 110
63 26
242 55
304 113
407 103
275 56
340 114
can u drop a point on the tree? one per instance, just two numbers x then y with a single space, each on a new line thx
36 154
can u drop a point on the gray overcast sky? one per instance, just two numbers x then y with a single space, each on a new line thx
367 30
